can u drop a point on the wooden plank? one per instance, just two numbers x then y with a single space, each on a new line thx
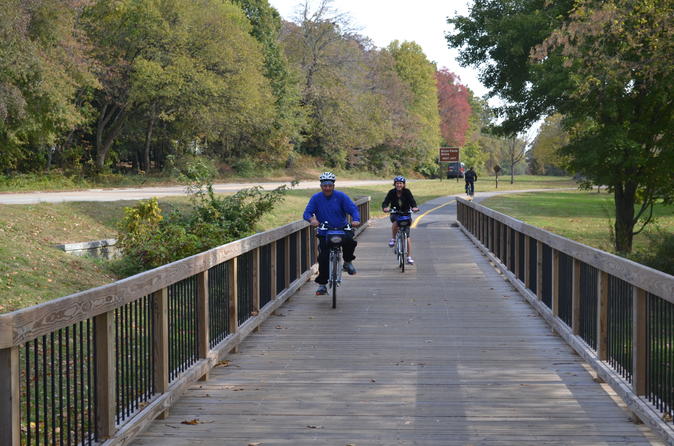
575 297
539 269
518 254
160 336
203 327
651 280
233 297
273 272
555 282
602 315
639 342
527 260
10 425
106 401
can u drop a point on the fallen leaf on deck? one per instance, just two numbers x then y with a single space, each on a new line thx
223 363
194 421
312 426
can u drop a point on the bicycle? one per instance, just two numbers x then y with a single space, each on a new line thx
334 237
404 220
470 190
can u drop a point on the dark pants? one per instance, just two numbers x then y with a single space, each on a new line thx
348 246
470 187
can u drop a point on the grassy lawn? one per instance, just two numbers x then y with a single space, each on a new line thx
586 217
33 271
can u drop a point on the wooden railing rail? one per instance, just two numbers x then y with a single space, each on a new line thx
617 314
97 366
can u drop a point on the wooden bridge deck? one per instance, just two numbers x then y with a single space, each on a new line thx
447 353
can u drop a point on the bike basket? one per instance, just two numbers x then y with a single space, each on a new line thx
404 220
335 236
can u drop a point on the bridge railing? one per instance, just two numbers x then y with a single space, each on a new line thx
618 314
98 366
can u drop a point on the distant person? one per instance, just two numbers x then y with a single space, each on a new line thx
470 177
332 206
400 198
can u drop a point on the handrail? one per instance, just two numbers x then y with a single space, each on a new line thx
617 314
205 305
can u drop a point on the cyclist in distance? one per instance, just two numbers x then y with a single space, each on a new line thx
471 177
401 198
332 206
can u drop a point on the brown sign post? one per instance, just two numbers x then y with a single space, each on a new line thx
449 154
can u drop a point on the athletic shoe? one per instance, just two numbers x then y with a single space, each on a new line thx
322 289
349 268
410 261
391 243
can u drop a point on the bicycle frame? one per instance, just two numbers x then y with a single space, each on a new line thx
335 257
401 239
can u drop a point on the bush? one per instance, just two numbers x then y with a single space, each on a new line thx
149 240
660 252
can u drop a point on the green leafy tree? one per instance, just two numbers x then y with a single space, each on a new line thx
43 66
192 65
418 73
544 157
606 67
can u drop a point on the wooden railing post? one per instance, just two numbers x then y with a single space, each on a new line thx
508 261
273 271
307 254
256 284
298 254
202 318
555 282
160 341
575 297
539 269
602 315
518 253
639 340
527 261
105 374
234 298
286 260
10 423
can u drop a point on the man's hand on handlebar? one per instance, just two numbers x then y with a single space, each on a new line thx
355 224
415 209
313 221
386 209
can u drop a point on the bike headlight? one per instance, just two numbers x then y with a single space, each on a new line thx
335 239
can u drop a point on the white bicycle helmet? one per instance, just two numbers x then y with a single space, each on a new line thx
327 176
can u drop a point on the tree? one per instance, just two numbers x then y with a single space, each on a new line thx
606 67
192 65
418 73
544 157
43 66
454 107
515 152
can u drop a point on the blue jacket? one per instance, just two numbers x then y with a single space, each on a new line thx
332 209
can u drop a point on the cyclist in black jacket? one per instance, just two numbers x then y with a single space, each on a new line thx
401 198
471 178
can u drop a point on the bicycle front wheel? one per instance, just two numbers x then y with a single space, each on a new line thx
334 276
403 251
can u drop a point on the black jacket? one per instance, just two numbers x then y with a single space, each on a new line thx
470 176
403 203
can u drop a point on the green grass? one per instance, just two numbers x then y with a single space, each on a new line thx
586 217
33 271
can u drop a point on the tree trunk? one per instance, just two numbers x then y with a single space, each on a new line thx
148 140
624 198
110 123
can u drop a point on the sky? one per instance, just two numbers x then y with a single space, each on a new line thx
421 21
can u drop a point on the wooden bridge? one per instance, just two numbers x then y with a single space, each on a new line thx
232 347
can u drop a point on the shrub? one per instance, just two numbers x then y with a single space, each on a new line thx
149 240
660 252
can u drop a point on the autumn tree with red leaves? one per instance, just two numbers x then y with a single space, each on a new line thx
454 107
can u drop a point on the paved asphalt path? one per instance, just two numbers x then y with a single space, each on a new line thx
149 192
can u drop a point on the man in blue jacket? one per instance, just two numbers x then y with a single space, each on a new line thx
332 206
